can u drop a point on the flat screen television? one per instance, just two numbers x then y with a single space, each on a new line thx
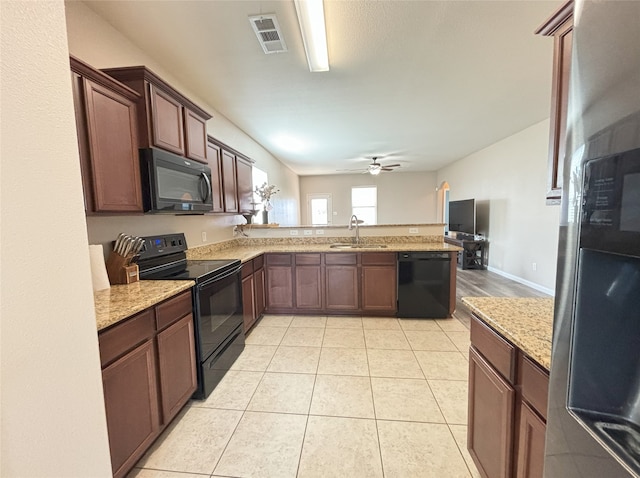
462 216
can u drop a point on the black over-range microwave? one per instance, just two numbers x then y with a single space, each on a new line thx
172 184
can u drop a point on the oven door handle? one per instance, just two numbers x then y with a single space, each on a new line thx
224 276
212 360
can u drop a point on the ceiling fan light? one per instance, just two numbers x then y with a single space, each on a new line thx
314 34
375 169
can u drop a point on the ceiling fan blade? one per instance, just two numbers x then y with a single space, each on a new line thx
391 165
387 169
350 170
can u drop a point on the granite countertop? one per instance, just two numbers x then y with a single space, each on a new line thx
246 253
526 322
122 301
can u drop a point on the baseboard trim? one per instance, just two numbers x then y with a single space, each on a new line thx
533 285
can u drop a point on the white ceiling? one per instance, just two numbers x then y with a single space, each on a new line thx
424 82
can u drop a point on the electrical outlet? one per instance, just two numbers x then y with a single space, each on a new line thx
293 232
534 266
335 213
319 232
204 236
307 232
413 230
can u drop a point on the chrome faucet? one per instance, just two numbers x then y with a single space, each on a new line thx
354 221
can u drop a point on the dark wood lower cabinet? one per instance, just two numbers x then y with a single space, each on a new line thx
149 374
379 288
131 405
531 444
177 366
248 303
507 407
342 288
253 294
337 283
490 433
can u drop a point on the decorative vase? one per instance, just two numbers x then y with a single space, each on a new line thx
265 217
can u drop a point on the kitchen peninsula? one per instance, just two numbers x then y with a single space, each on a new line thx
509 362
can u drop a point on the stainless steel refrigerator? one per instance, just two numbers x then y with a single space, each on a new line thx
593 427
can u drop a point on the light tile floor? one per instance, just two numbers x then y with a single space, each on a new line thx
329 397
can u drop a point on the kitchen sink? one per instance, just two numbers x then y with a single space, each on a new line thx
357 246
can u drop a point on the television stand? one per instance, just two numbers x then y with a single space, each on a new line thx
473 251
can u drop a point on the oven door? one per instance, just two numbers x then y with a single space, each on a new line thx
219 311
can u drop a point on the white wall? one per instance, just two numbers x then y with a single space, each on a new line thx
53 420
509 182
403 197
95 41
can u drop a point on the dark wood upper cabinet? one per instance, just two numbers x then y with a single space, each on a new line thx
245 185
235 178
166 118
106 114
229 181
166 121
214 158
560 27
195 129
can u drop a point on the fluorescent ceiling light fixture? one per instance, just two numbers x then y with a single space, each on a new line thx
314 34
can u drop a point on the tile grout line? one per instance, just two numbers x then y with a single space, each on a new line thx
375 413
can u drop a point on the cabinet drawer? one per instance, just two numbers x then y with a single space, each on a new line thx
379 258
308 259
124 336
258 262
173 309
500 353
247 269
535 385
347 258
279 259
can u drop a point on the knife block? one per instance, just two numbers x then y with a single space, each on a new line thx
120 270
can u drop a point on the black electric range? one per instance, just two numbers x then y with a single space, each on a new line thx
217 303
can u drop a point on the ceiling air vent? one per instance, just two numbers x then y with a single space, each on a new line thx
268 32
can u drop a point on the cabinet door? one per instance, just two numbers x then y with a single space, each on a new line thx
195 129
131 404
248 302
215 163
177 366
229 182
531 444
245 186
113 150
341 288
491 412
166 121
279 287
560 26
379 289
308 287
259 289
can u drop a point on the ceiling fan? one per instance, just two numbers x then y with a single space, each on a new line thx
375 167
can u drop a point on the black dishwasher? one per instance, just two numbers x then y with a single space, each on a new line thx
423 284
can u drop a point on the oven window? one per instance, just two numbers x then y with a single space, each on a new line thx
220 311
